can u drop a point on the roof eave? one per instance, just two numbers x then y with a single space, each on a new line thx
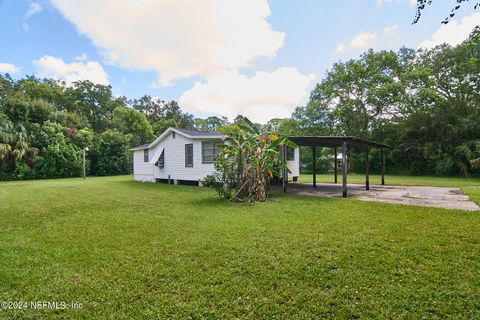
206 137
139 148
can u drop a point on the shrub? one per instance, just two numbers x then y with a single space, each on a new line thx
248 162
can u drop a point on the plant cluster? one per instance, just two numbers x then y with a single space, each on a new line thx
248 162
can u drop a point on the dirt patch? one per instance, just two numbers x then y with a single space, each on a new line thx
439 197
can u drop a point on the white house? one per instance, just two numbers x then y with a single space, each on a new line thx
186 156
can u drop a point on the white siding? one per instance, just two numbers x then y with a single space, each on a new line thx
175 159
174 152
142 171
294 165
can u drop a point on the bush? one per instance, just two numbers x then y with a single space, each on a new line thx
110 154
221 186
59 160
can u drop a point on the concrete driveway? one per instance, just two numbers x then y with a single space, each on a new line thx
439 197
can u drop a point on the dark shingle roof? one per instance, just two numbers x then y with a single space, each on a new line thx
199 133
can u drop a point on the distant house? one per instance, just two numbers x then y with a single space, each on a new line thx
185 157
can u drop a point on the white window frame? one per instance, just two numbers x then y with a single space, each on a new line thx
146 155
211 146
290 154
187 156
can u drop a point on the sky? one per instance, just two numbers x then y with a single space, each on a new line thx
257 58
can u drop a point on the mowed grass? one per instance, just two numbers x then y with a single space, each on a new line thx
473 193
456 182
129 250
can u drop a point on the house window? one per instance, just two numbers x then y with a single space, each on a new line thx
173 134
189 155
145 155
290 153
161 161
209 150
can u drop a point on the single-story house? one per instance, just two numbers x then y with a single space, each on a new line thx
186 156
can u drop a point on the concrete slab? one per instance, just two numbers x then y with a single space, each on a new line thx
439 197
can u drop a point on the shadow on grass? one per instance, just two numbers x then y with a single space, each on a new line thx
275 197
157 185
206 197
212 201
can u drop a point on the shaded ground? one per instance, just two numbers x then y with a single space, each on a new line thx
439 197
399 180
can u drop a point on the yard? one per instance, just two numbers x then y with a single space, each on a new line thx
125 249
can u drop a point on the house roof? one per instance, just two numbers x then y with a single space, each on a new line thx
192 134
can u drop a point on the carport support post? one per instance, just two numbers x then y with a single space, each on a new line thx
284 183
344 168
382 169
367 178
335 165
286 170
314 166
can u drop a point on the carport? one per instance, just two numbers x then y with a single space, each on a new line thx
336 142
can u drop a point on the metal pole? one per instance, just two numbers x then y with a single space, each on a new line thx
314 166
382 170
344 169
367 178
84 170
285 149
335 166
284 183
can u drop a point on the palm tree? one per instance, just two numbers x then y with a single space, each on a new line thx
14 144
475 163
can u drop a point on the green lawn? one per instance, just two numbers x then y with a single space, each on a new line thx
473 193
397 180
139 251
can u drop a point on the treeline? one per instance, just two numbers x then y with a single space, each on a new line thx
425 104
45 125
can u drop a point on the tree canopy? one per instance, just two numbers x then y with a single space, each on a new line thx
44 126
423 103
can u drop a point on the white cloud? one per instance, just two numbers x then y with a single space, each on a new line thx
390 31
33 9
454 32
341 47
8 68
380 2
363 40
56 68
82 57
263 96
176 38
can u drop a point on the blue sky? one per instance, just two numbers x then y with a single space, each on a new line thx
252 57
